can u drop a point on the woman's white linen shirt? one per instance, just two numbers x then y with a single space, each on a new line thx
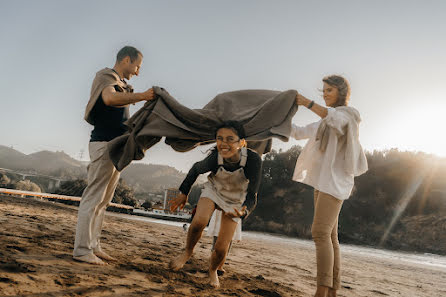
325 171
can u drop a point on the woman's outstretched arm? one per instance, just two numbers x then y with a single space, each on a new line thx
311 105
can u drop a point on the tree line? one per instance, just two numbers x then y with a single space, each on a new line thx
400 202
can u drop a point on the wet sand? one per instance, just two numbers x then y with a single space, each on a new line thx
36 239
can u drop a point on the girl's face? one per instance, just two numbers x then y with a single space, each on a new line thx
228 144
331 94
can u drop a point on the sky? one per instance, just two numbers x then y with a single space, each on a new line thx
392 52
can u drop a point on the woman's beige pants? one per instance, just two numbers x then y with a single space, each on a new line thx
325 236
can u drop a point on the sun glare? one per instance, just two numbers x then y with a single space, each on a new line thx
421 129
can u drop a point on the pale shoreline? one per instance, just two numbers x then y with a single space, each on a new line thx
410 257
35 260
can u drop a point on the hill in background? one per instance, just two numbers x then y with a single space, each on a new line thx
141 177
57 164
151 177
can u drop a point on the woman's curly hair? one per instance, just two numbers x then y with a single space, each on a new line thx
343 88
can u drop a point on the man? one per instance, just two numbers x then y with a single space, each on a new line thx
107 110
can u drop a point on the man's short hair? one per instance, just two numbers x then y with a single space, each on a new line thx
128 51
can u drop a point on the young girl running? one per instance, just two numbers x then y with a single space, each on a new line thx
231 187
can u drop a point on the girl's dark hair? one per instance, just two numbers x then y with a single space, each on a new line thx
234 126
343 88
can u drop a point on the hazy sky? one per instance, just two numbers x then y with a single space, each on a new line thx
392 52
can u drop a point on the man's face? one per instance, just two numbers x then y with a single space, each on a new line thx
132 68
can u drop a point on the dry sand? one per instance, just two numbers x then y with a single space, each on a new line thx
36 239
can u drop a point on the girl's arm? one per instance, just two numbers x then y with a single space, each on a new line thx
253 172
198 168
203 166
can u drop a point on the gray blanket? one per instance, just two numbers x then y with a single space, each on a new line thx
263 113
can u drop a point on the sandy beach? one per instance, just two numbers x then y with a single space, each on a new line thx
36 242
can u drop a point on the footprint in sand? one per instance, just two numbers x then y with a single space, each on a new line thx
17 248
7 280
379 292
15 266
266 293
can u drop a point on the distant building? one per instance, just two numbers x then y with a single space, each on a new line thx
158 205
154 198
169 194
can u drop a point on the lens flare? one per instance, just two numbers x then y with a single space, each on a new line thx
404 201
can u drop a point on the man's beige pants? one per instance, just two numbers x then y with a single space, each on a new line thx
325 236
102 181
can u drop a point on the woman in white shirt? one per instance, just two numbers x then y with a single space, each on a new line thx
329 162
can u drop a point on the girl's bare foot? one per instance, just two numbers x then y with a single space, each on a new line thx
178 263
213 279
